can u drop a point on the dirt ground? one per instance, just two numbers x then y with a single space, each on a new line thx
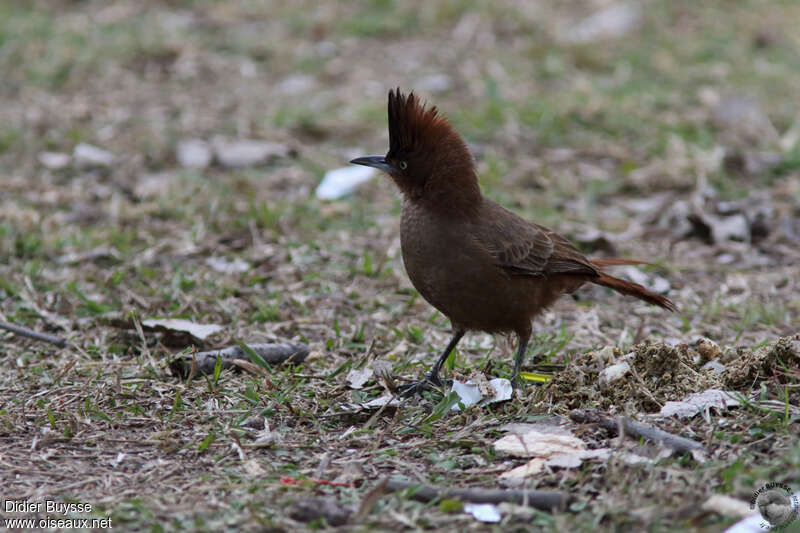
666 131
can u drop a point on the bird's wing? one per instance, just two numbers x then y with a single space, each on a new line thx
522 248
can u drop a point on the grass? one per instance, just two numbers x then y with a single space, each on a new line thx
569 136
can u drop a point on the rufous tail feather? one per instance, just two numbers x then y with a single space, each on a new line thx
633 289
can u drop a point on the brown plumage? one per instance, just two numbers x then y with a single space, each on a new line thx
479 264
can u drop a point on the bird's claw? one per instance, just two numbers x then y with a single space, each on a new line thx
417 387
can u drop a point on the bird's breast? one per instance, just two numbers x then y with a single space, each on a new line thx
456 274
432 252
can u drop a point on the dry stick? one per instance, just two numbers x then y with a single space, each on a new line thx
25 332
541 499
679 444
196 364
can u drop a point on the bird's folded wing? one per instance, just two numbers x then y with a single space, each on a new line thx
528 249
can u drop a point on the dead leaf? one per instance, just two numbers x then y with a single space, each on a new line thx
265 437
357 378
343 181
227 265
727 506
199 331
253 469
483 512
539 444
531 468
700 402
480 391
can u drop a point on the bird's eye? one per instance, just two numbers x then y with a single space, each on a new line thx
403 165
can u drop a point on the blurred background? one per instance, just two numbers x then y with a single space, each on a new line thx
137 137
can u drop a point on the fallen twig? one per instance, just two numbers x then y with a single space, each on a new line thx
674 442
541 499
204 362
25 332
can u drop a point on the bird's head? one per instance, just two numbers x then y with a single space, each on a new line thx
426 157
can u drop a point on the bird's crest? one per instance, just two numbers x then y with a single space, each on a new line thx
413 125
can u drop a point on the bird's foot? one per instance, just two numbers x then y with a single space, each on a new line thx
417 387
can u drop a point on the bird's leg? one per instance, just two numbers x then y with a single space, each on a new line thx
432 377
522 346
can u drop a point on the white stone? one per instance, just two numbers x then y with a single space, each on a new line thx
54 160
87 155
247 153
193 153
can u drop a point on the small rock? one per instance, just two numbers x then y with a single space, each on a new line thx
246 153
612 22
708 349
743 123
193 153
296 84
54 160
254 422
87 155
436 83
328 508
733 228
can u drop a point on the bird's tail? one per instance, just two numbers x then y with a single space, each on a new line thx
628 287
631 289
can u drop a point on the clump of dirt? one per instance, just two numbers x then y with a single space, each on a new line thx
778 360
654 373
642 380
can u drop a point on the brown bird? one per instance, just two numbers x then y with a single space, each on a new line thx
479 264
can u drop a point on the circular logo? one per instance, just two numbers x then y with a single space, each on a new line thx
777 505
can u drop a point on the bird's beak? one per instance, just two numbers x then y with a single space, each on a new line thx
375 161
